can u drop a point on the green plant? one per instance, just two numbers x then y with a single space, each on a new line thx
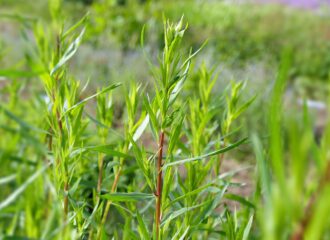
149 159
94 170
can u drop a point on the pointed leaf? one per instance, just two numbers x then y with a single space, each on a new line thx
141 128
69 52
127 197
107 89
247 229
143 230
223 150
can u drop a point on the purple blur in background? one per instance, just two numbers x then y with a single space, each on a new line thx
302 3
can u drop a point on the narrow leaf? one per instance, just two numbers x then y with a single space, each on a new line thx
141 128
14 195
223 150
239 199
127 197
143 230
75 26
184 234
72 49
107 149
107 89
7 179
247 229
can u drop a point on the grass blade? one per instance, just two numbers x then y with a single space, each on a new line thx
247 229
143 230
13 196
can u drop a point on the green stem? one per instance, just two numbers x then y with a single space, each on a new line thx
99 180
108 205
113 189
66 199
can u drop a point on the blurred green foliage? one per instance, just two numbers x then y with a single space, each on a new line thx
235 34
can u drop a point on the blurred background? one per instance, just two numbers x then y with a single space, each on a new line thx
245 39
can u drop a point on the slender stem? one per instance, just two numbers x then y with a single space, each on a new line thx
113 189
50 140
159 184
66 183
224 143
66 199
59 122
220 159
108 205
99 180
65 207
90 236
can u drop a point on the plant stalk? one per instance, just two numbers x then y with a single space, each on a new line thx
66 199
113 189
220 159
99 180
108 205
66 184
159 184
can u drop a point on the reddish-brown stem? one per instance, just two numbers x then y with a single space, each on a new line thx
58 45
59 122
159 184
50 140
66 184
60 126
